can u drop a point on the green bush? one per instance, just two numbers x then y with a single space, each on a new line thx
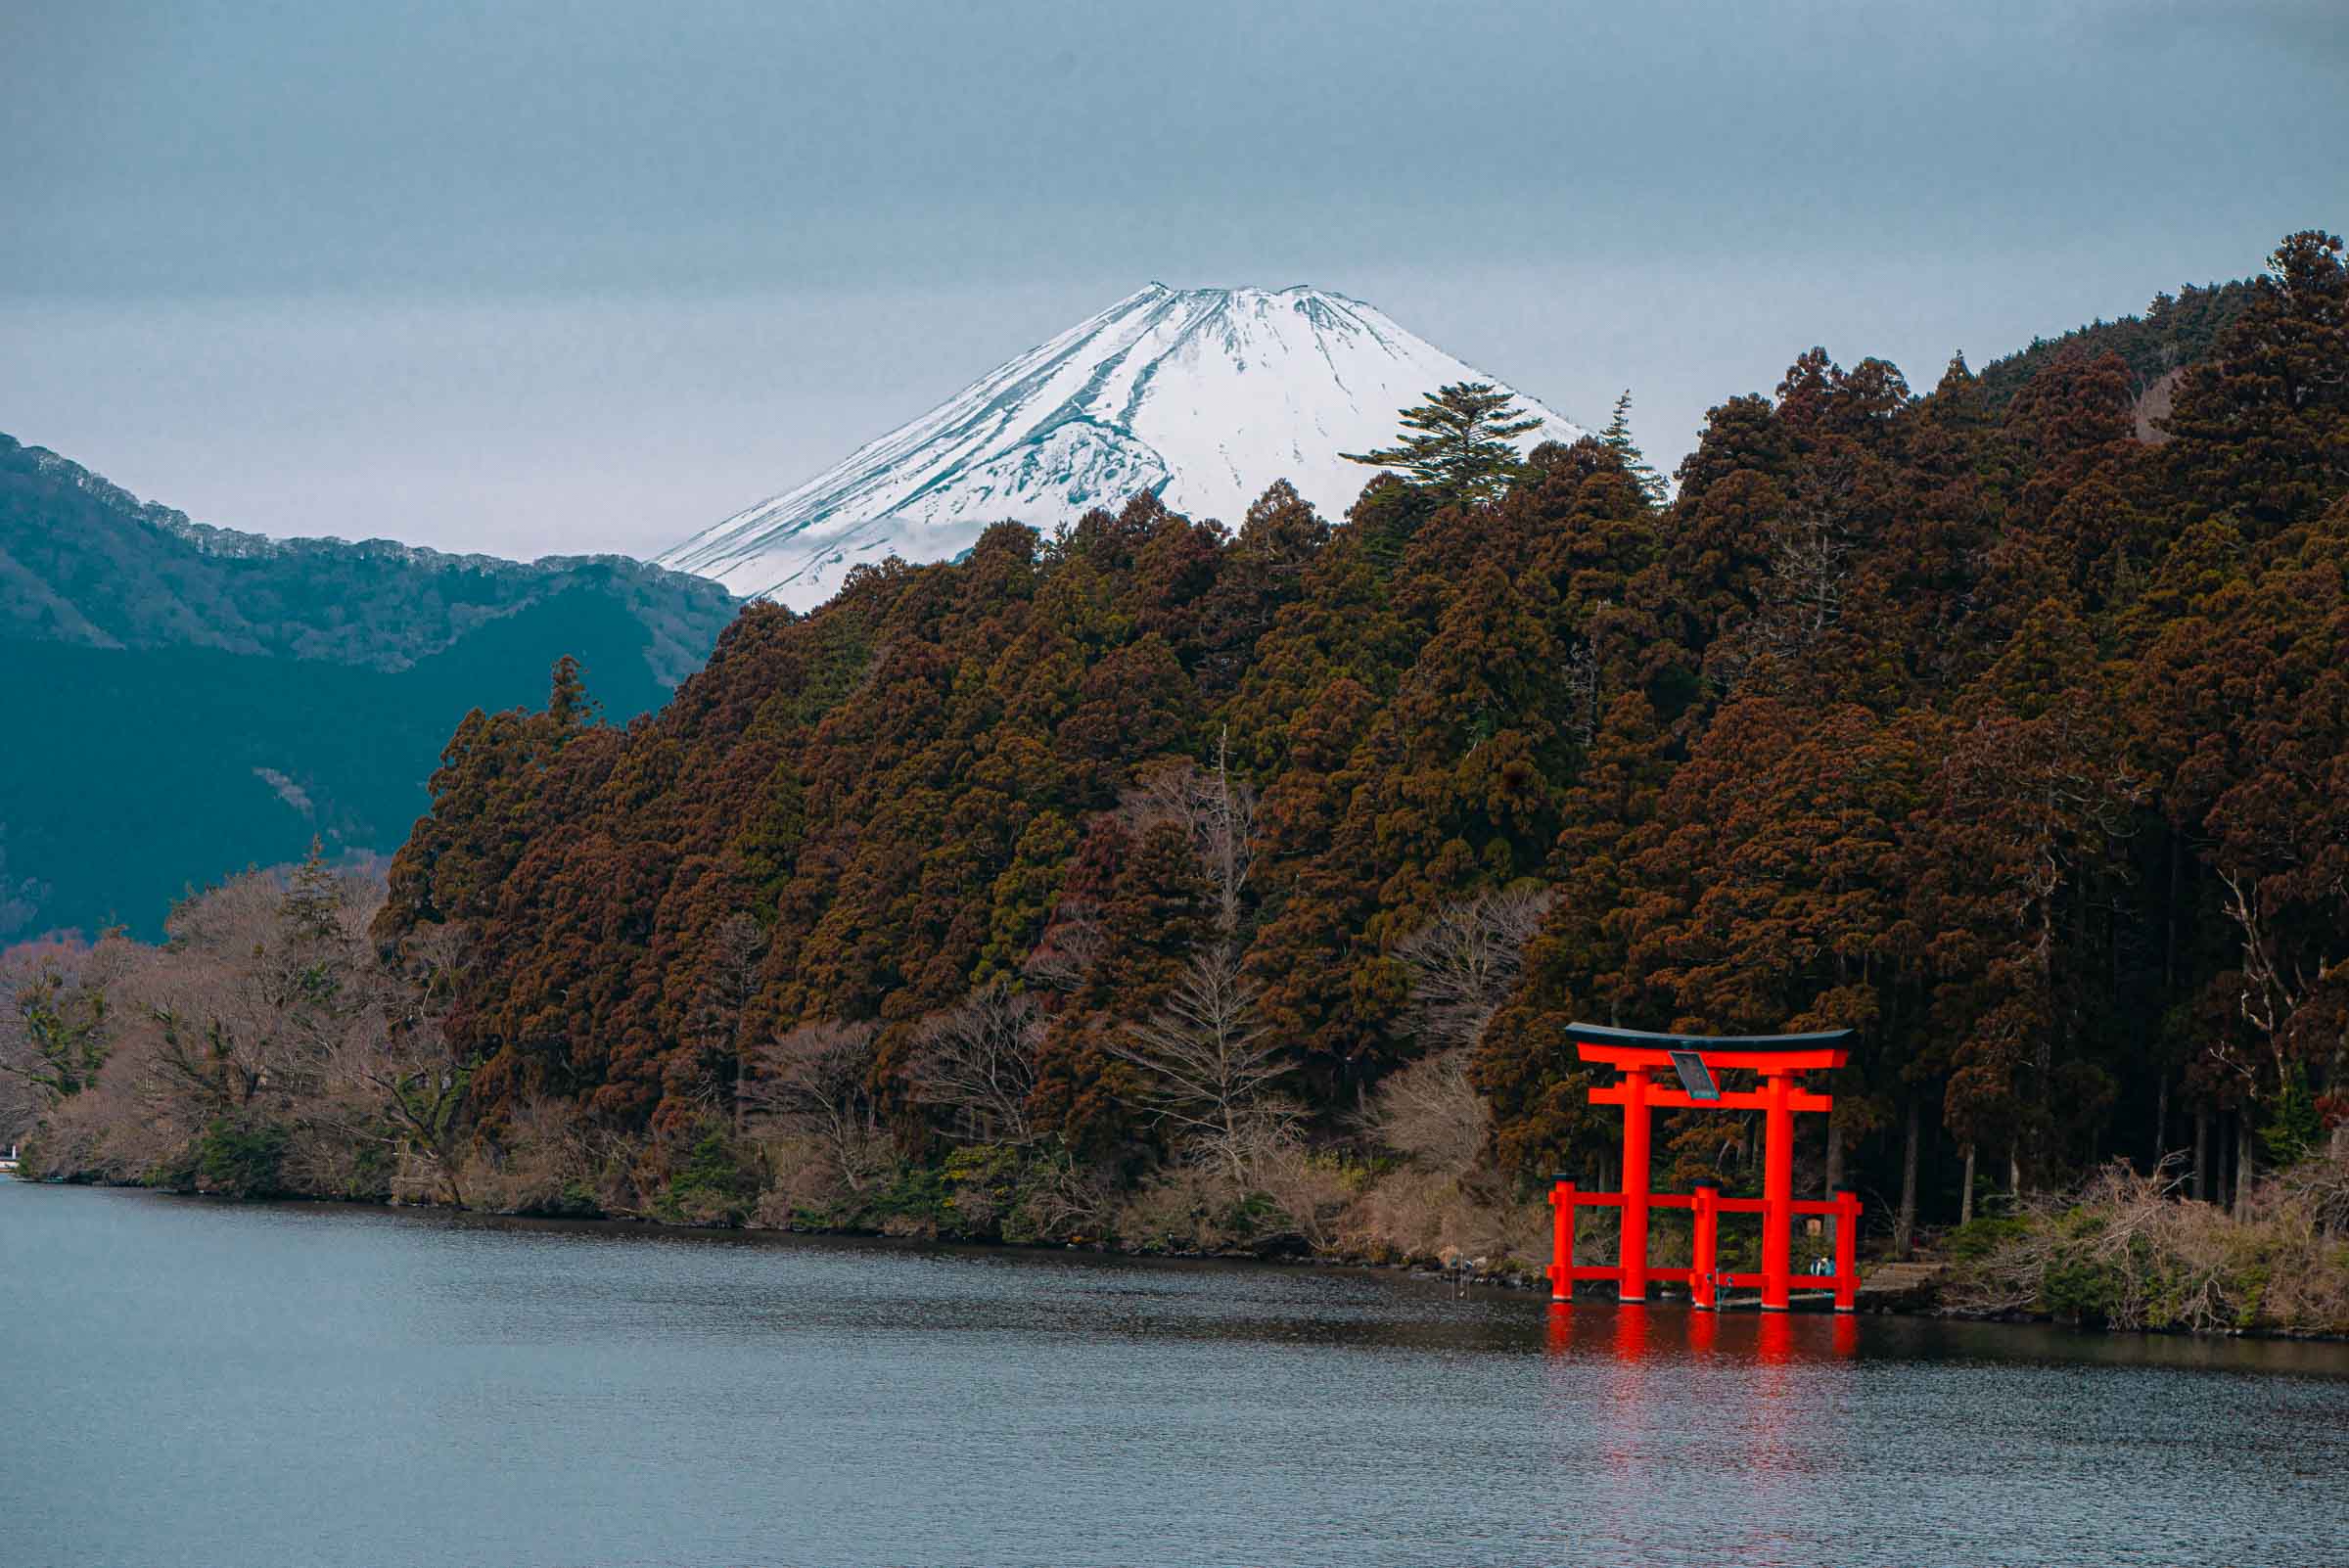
2084 1293
1979 1238
909 1202
369 1178
977 1192
715 1184
177 1172
240 1159
574 1200
2296 1125
981 1186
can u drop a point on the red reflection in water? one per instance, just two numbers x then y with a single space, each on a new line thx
1630 1333
1632 1387
1771 1378
1764 1339
1559 1338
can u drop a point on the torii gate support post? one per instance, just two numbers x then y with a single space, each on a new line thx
1847 1251
1704 1291
1777 1192
1561 1240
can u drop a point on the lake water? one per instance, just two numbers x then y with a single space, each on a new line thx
184 1382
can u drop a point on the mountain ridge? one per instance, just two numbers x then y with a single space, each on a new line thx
84 560
190 699
1194 395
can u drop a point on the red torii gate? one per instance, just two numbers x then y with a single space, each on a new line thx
1779 1059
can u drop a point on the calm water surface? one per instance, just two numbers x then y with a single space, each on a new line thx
190 1383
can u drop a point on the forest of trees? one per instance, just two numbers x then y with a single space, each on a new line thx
1254 873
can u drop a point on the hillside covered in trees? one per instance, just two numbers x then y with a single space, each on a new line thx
1240 867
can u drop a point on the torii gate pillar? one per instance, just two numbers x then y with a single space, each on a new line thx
1635 1126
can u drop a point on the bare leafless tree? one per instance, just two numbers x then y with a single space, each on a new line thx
1068 1201
1432 1112
978 1061
253 998
420 1087
1207 1062
1307 1187
2320 1184
1466 961
435 959
391 1066
21 1106
2272 987
1581 709
1800 600
56 1026
727 984
1072 945
1807 567
1215 811
815 1081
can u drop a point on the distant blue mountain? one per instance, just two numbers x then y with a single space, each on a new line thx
183 701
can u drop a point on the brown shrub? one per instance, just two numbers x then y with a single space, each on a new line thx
1434 1216
2128 1251
1431 1112
802 1178
1185 1208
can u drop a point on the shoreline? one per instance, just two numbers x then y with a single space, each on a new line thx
1459 1280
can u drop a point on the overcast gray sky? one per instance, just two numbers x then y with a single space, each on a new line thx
536 278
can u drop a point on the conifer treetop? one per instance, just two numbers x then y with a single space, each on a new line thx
1460 444
1618 439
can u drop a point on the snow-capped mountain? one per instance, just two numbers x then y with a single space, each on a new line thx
1203 395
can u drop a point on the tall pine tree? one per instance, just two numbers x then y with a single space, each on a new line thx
1464 444
1618 439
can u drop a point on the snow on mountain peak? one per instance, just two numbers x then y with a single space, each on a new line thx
1203 395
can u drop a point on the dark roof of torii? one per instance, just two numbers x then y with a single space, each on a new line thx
1599 1034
